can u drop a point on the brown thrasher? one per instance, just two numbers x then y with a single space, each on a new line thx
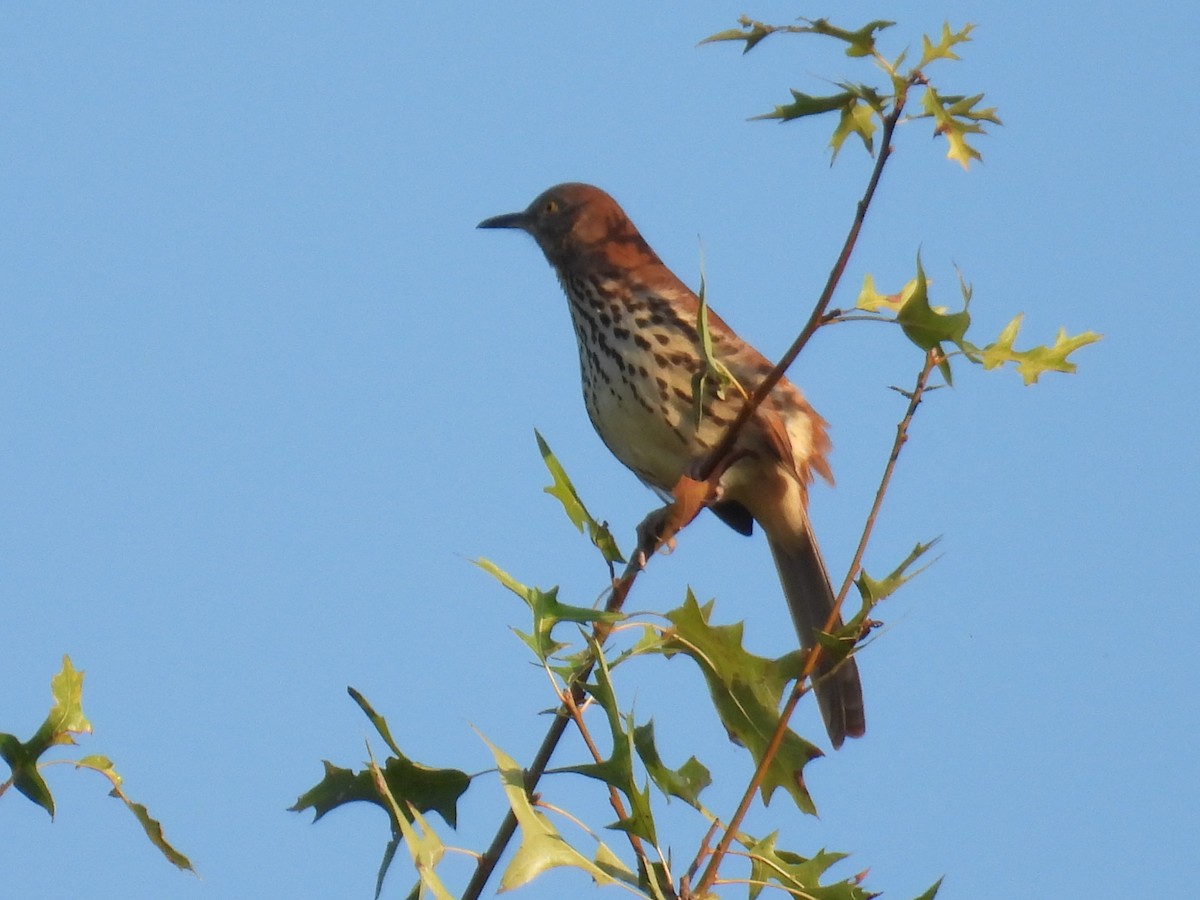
636 324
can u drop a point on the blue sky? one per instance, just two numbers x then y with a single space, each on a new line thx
266 392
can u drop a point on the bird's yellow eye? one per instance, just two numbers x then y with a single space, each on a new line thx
551 207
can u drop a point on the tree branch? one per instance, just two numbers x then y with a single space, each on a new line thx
813 655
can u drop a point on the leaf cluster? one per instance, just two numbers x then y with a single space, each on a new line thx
862 107
745 690
938 329
65 720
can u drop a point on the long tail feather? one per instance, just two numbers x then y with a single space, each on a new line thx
810 600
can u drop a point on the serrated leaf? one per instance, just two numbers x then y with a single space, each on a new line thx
871 300
927 327
151 826
1036 361
751 32
153 829
547 611
954 118
714 376
857 118
411 783
686 782
22 760
807 105
617 770
965 107
564 492
612 864
67 688
932 892
797 875
64 720
424 846
942 49
867 94
377 720
746 692
66 715
542 847
861 41
872 591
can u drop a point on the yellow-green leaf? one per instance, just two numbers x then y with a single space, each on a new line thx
746 691
564 491
547 611
926 326
151 826
1034 362
542 847
872 591
807 105
857 118
942 49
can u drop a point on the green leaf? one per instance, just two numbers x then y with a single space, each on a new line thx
1034 362
617 770
927 327
22 759
542 847
686 782
612 864
547 611
714 374
153 829
807 105
751 32
151 826
746 692
942 49
797 875
411 783
932 892
857 118
564 491
64 720
66 715
862 41
956 118
871 300
872 591
424 845
964 107
377 720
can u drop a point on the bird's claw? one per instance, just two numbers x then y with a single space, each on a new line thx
649 535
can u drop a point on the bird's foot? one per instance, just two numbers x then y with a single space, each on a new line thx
650 533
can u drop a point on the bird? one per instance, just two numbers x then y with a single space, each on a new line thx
636 325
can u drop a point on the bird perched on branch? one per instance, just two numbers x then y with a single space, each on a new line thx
648 393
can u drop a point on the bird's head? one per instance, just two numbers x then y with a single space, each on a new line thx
575 223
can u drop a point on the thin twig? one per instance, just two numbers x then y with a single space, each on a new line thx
723 447
533 774
614 797
813 655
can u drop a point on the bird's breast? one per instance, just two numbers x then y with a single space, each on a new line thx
637 361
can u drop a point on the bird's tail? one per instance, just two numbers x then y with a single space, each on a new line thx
810 600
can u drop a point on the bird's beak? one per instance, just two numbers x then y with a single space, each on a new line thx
508 220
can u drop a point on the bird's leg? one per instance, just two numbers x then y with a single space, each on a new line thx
649 534
657 531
